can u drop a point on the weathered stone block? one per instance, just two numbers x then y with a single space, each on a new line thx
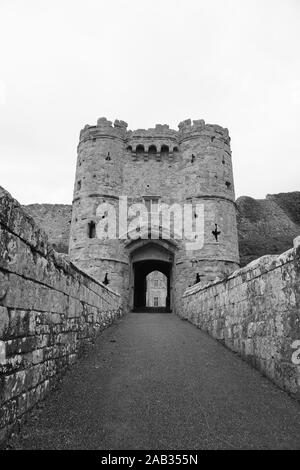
4 322
13 385
2 353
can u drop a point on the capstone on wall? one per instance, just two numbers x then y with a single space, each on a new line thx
49 310
256 313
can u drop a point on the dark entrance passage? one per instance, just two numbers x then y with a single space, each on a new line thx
141 270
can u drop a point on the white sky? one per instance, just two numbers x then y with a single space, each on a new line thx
64 63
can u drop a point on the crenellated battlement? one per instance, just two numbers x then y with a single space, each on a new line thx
159 131
159 142
186 130
104 127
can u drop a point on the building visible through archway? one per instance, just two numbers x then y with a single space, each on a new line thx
148 257
156 290
141 270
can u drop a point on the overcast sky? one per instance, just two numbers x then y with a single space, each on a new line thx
64 63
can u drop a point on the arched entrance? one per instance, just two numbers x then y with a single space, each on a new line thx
147 256
141 269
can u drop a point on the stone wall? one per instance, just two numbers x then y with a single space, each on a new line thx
49 310
256 313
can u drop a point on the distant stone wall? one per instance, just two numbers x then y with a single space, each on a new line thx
49 310
256 313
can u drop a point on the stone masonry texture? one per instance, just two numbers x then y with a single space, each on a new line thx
49 310
256 313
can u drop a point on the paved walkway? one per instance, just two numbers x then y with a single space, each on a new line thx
153 381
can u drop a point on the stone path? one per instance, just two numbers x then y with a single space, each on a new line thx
153 381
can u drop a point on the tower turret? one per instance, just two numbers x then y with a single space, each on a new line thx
207 178
98 180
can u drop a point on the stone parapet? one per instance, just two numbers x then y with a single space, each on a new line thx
49 310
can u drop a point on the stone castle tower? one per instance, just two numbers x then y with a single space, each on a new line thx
154 166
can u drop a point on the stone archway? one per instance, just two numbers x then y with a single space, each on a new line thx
147 256
141 269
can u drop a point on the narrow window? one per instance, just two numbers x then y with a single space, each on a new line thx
151 203
78 185
228 184
92 229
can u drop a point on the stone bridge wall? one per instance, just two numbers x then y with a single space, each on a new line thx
256 313
49 310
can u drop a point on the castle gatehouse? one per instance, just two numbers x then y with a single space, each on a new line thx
160 167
